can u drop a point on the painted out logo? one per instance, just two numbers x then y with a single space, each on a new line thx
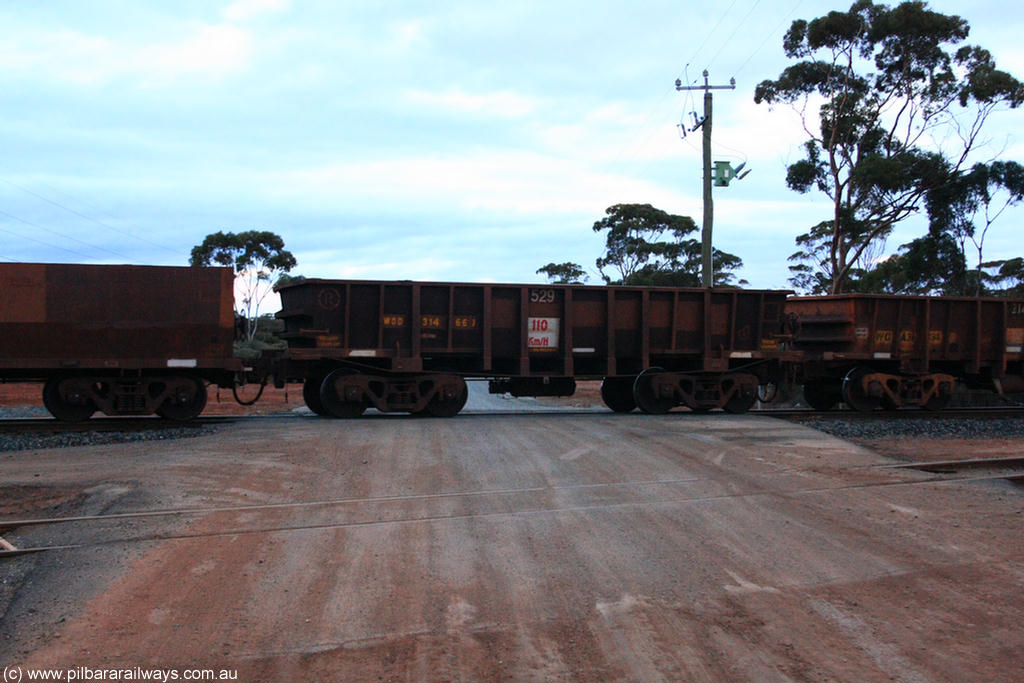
328 299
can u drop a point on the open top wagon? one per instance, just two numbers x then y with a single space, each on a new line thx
873 351
410 346
122 340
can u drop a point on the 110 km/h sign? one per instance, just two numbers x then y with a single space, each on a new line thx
542 334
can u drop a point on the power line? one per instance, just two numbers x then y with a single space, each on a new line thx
708 35
732 35
90 218
67 237
642 137
46 244
769 35
741 154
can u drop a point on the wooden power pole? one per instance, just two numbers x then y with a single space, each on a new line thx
707 272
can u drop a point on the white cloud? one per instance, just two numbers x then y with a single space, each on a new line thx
406 35
600 141
507 182
244 10
205 51
213 51
69 55
502 103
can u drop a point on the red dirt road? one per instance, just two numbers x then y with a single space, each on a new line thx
570 547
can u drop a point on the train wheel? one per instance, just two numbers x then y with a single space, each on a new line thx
334 402
73 409
938 402
311 394
854 393
185 401
617 394
646 397
742 400
449 407
820 397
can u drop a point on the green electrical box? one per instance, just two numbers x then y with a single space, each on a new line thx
724 172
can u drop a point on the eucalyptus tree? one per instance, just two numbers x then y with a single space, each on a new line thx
567 273
967 206
648 246
893 104
258 258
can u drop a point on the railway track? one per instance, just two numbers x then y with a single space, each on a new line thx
123 424
905 414
946 471
48 425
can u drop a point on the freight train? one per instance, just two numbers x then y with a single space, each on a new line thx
132 340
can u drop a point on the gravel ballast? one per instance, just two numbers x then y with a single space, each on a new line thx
931 427
42 440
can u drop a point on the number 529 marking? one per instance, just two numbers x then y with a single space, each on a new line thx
542 296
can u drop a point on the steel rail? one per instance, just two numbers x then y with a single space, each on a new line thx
1015 478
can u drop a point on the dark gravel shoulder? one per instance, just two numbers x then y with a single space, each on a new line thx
45 440
932 427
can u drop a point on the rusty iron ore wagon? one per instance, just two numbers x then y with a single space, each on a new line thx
135 340
873 351
122 340
410 346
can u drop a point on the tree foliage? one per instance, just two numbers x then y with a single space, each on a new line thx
1004 277
266 337
567 273
257 257
648 246
929 265
965 208
889 86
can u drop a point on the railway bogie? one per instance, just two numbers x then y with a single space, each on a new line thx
345 393
76 397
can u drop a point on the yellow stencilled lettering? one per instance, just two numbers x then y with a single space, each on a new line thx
908 338
328 341
394 321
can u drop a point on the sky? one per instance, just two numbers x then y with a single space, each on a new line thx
444 141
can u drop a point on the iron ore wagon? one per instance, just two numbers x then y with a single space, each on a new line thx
122 340
410 346
873 351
